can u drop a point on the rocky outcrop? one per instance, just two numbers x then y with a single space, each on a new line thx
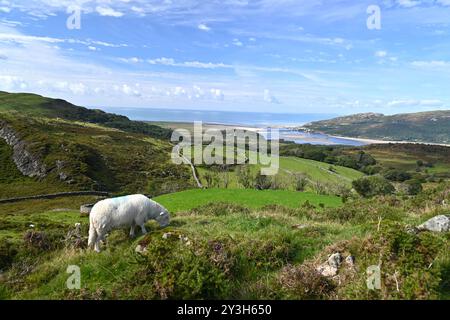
27 163
436 224
85 209
331 267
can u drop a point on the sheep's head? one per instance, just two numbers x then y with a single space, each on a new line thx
163 218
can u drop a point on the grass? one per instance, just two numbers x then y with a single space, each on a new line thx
88 160
405 157
241 253
189 199
319 171
238 244
315 170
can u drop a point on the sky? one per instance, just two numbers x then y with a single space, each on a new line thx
291 56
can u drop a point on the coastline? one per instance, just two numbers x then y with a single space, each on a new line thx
377 141
302 134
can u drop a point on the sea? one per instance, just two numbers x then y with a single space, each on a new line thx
285 122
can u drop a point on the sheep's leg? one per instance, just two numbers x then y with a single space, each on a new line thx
100 237
132 230
97 246
144 231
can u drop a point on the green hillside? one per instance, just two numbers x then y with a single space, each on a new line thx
61 147
21 105
239 250
432 127
187 200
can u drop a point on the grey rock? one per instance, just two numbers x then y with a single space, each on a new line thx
412 230
439 223
335 260
85 209
140 249
27 163
167 235
350 261
331 267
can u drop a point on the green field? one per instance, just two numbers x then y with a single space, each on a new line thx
186 200
315 171
236 250
319 171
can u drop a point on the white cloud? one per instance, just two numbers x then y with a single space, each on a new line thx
78 88
217 94
8 83
128 90
268 97
381 54
203 27
24 39
138 10
108 12
187 64
408 3
237 42
131 60
415 103
431 64
5 9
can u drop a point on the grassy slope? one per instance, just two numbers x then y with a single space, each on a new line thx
259 243
187 200
317 171
93 153
32 105
405 157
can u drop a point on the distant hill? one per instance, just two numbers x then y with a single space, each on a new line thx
431 127
51 145
27 104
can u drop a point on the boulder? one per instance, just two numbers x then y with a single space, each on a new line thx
350 261
85 209
331 267
140 249
439 223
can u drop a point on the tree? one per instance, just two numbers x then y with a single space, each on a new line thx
373 186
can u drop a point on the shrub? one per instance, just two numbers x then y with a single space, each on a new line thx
301 181
245 177
372 186
304 282
397 175
412 187
171 269
262 182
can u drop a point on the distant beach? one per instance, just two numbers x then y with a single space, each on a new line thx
289 124
255 121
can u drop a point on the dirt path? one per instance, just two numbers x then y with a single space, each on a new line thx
188 161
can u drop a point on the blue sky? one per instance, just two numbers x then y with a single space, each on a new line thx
302 56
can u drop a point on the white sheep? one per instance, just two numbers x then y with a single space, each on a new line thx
129 211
